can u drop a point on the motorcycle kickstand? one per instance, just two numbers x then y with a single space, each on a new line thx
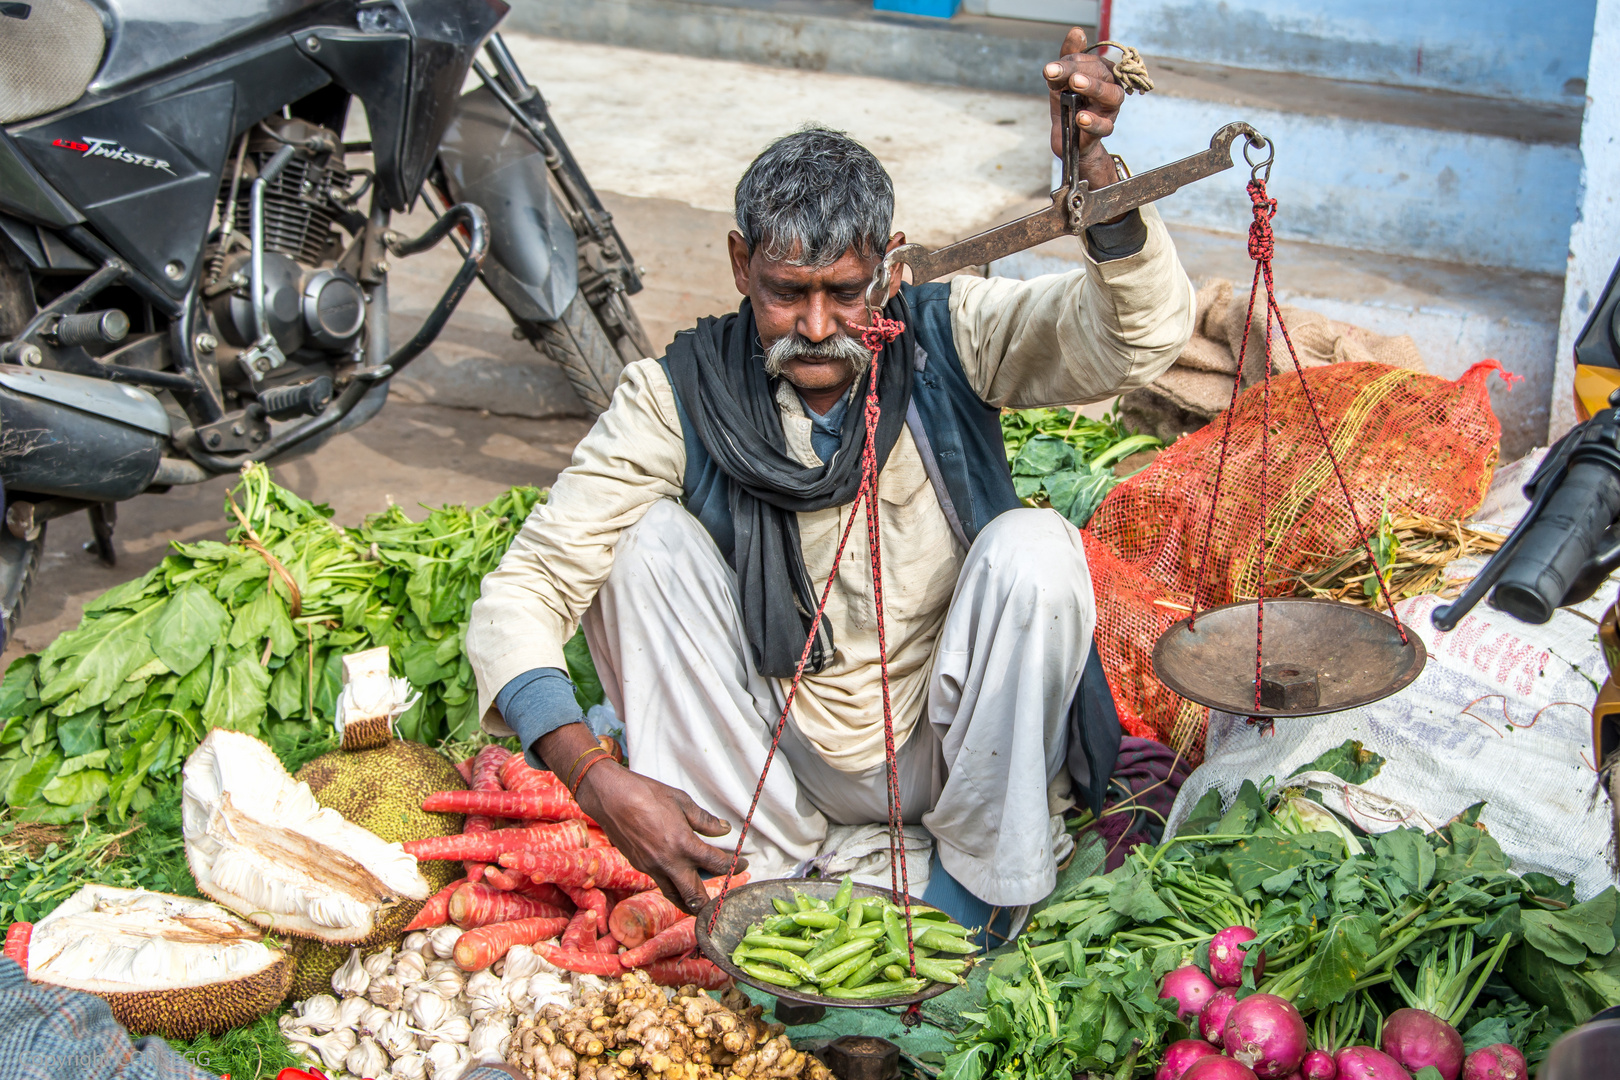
103 516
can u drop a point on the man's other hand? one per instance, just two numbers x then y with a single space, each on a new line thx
1092 78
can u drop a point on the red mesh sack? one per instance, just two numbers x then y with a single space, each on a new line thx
1405 441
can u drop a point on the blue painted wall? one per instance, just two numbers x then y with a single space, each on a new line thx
1531 50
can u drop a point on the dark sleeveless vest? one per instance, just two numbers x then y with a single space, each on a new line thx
958 437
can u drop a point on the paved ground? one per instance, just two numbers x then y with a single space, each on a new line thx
959 158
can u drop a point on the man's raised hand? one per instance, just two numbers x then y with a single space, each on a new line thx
1092 78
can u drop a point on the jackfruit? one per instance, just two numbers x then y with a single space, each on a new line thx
166 965
381 790
258 842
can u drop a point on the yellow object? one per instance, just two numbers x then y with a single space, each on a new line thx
1593 385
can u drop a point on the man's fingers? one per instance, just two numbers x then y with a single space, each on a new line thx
1099 127
712 860
1075 41
700 819
688 889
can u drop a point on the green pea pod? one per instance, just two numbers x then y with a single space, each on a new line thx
829 941
767 974
944 928
930 914
870 970
894 973
783 907
803 903
779 924
895 927
866 932
777 941
935 939
782 959
833 957
843 970
937 970
846 891
856 913
876 990
820 920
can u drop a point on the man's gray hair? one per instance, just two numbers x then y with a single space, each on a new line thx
813 195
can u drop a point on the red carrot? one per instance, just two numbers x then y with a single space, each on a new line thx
486 776
607 943
599 838
475 904
589 963
557 804
678 940
17 936
465 769
580 933
593 868
436 911
596 900
505 880
477 949
697 971
486 847
642 917
714 884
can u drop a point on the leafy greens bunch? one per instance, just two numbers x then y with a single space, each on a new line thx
1066 459
249 635
1352 929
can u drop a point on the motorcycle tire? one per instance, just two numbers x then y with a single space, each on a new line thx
19 566
582 348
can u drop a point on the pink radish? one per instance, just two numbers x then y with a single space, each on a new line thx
1417 1038
1191 990
1497 1062
1212 1021
1318 1065
1179 1056
1226 956
1365 1063
1267 1034
1217 1067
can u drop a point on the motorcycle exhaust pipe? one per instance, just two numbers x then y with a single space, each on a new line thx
74 437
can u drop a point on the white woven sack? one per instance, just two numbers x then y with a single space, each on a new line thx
1500 715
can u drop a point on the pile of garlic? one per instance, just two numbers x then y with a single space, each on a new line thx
415 1015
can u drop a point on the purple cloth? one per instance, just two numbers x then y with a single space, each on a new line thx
1147 775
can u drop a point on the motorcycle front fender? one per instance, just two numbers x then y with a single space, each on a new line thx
489 160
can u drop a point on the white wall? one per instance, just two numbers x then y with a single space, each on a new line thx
1594 242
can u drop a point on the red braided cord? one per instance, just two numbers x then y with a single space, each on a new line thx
874 337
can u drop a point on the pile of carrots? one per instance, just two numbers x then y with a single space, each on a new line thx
537 867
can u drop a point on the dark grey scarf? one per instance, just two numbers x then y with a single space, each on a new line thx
718 372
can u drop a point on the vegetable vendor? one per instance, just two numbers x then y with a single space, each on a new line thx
697 524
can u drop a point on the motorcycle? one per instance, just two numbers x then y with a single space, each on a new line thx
194 264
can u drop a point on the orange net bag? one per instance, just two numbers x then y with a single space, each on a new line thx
1405 441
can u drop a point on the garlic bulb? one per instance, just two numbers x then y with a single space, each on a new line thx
447 1060
409 994
486 996
436 966
395 1036
456 1029
410 967
351 978
414 942
385 991
522 960
351 1010
366 1059
330 1048
410 1066
489 1042
319 1012
448 983
546 988
587 984
378 963
374 1018
443 939
430 1010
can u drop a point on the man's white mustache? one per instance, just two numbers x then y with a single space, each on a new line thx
797 347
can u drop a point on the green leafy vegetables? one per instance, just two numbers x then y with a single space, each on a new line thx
249 635
1066 459
1435 921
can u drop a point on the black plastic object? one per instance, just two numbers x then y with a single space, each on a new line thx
92 328
749 904
1587 1053
70 453
1352 655
1567 543
861 1057
301 399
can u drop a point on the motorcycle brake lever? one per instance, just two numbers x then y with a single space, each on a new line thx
1075 208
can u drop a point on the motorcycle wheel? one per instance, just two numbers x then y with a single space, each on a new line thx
19 565
582 348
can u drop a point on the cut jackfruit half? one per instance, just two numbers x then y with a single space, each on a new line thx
166 965
259 843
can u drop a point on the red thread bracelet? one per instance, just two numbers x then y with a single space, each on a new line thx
580 779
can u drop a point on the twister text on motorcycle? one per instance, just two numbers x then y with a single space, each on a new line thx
111 148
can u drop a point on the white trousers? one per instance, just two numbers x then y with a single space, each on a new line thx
667 636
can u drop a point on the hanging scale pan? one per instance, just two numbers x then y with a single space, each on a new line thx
1320 656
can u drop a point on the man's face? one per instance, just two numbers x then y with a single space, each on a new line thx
804 314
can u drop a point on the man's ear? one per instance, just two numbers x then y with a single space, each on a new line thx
895 241
737 247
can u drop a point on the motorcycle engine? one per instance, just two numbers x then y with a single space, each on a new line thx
309 303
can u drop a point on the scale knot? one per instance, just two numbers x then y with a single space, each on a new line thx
1262 243
882 331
